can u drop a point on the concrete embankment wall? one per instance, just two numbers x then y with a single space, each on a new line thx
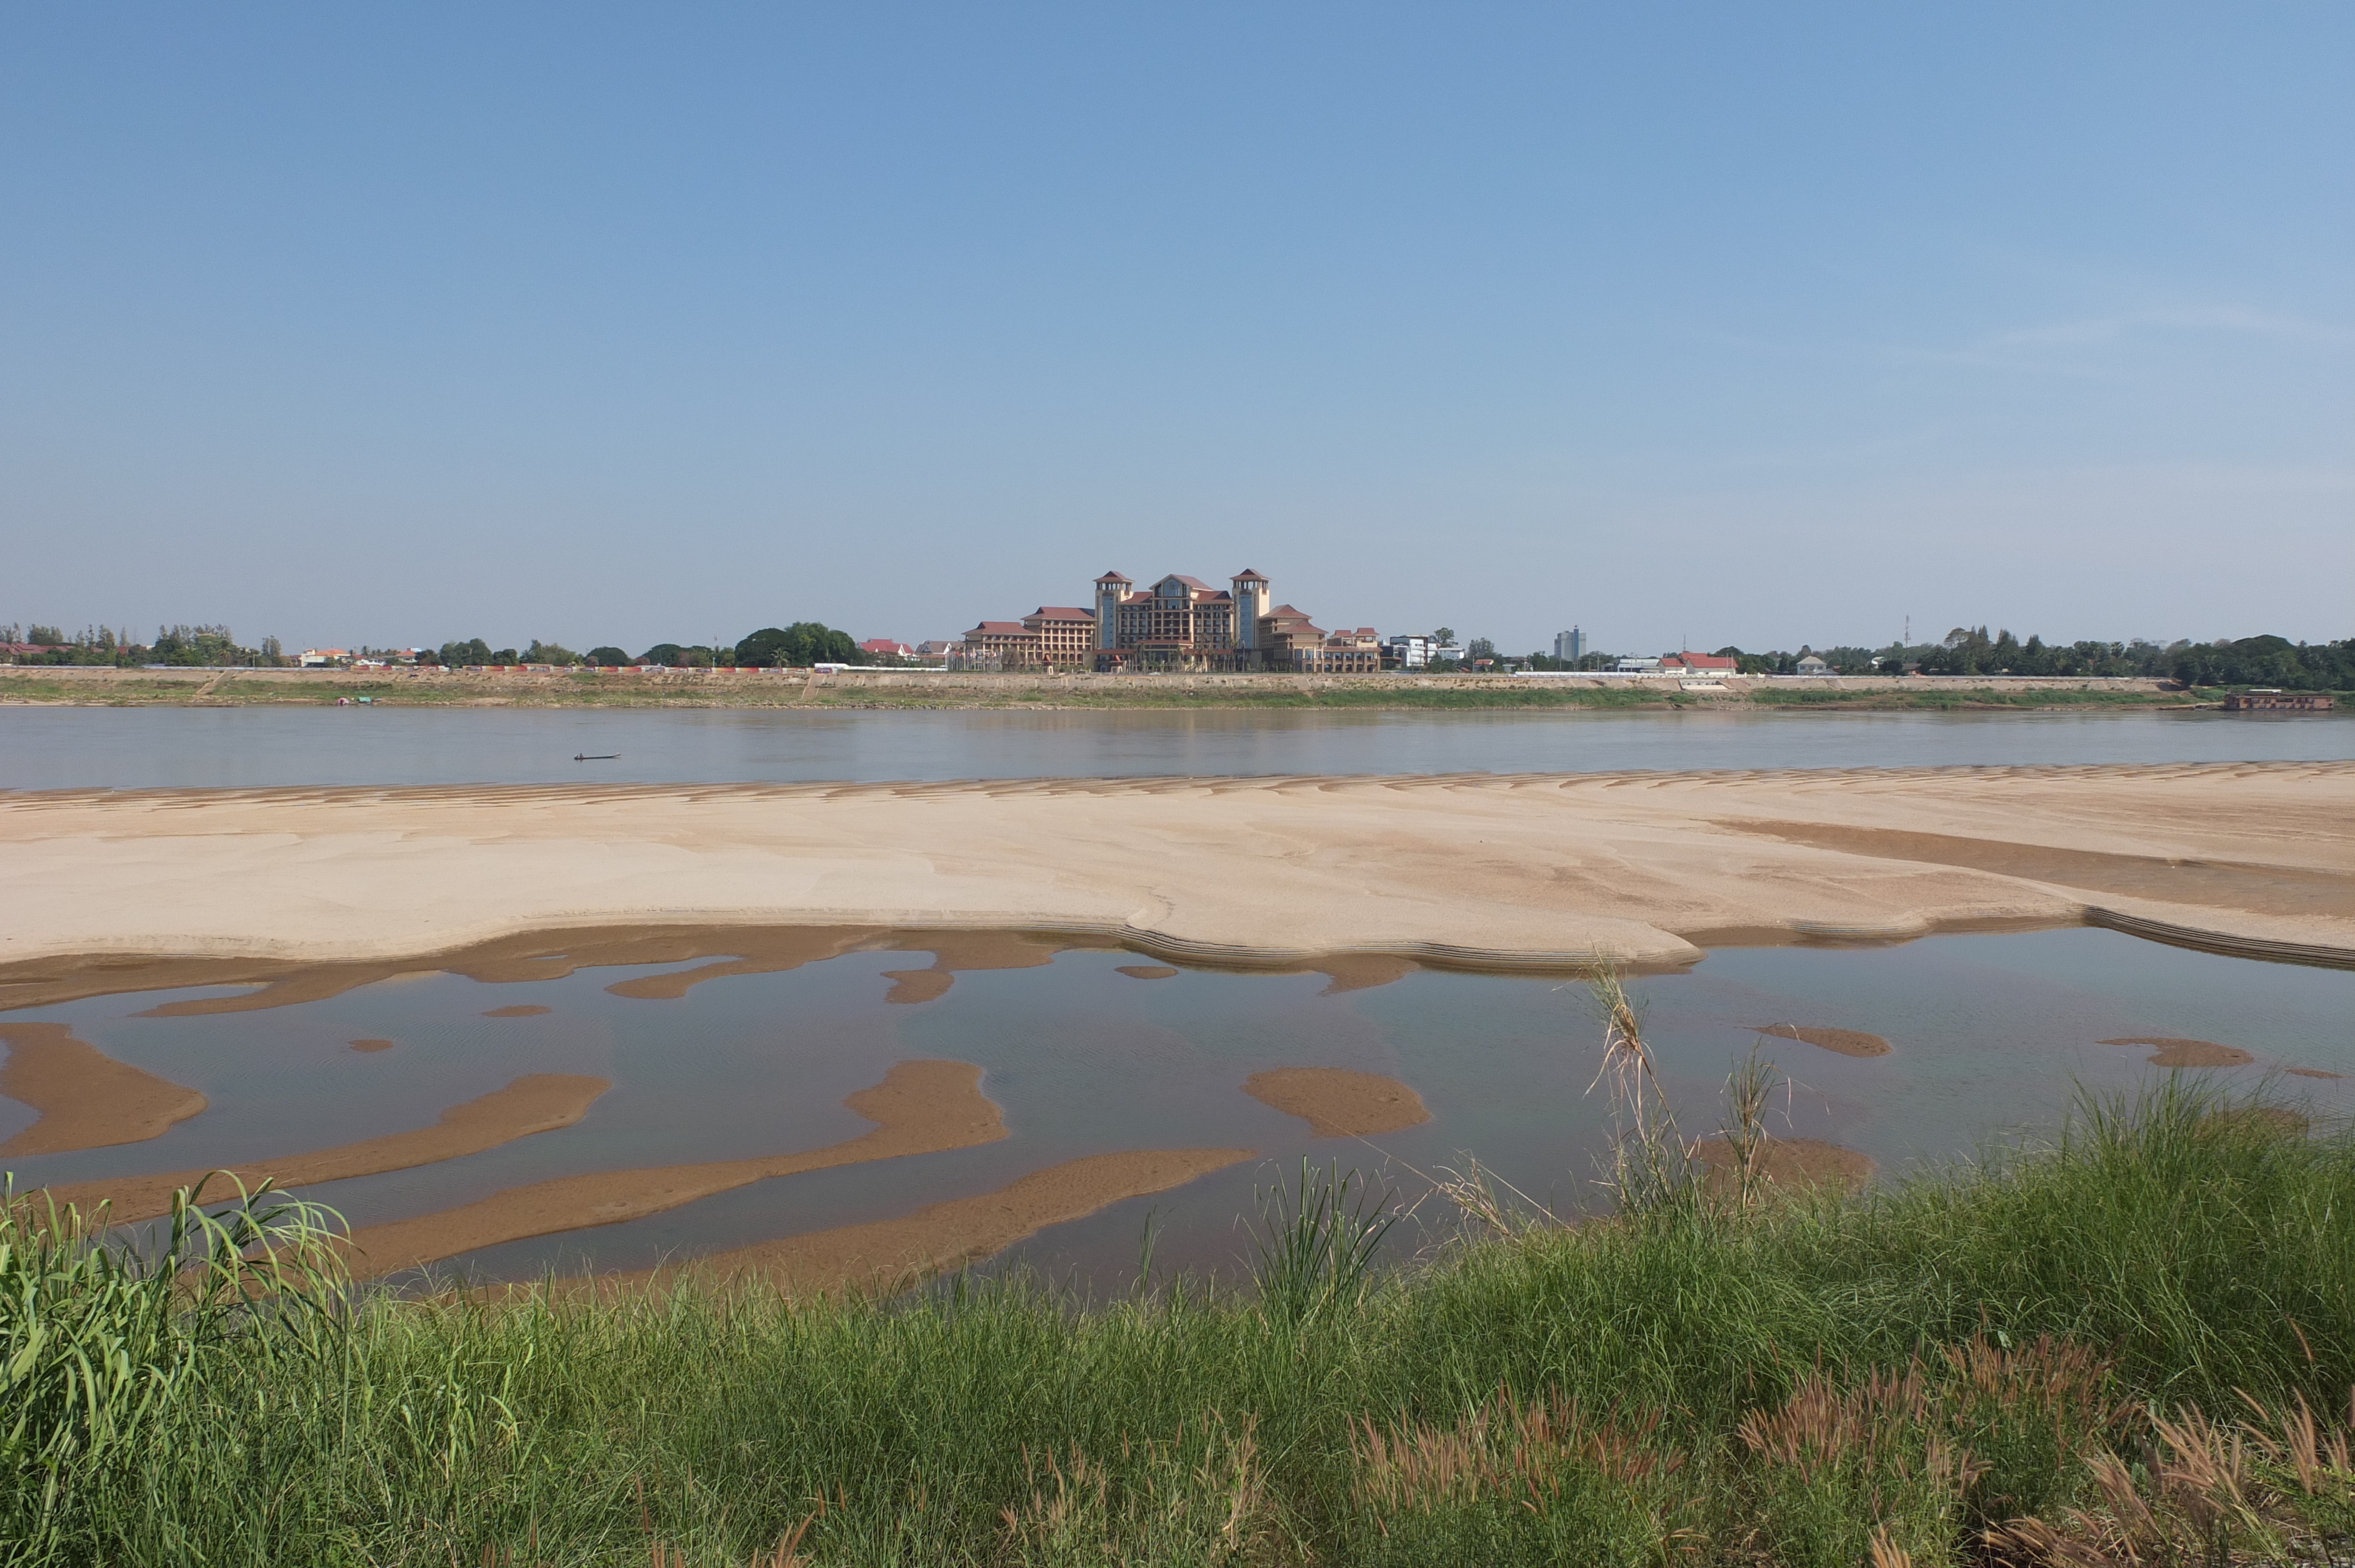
901 686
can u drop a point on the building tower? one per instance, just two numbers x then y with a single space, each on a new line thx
1570 645
1110 588
1251 603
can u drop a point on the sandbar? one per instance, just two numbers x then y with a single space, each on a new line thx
1785 1162
1846 1041
87 1098
890 1254
327 887
369 1046
1146 972
920 1107
527 1009
1336 1102
2175 1051
540 1102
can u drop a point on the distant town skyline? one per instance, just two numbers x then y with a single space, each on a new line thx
1752 328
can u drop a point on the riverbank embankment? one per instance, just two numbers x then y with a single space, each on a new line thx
1037 690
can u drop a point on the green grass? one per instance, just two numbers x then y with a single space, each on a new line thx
1688 1384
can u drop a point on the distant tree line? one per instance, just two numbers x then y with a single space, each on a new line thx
2264 660
178 645
803 643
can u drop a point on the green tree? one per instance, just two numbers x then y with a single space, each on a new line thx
804 642
606 654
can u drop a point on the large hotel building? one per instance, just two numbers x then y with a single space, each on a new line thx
1178 623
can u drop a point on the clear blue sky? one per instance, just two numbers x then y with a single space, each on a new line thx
1736 322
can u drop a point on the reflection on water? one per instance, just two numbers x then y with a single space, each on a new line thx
1987 1035
52 748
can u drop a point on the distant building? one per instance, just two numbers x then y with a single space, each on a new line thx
1409 650
1178 622
885 648
1690 663
1811 666
1635 666
1570 646
324 658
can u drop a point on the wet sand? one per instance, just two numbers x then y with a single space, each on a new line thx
920 1107
87 1098
2174 1052
541 1102
371 1046
890 1254
1787 1162
1338 1102
1474 870
1846 1041
1146 972
528 1012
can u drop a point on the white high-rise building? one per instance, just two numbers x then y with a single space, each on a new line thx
1569 644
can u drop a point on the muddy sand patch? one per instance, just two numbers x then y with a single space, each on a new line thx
527 1010
890 1254
87 1098
920 1107
1338 1102
1787 1163
2175 1051
541 1102
1146 972
1846 1041
372 1044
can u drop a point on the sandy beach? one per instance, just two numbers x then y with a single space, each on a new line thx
1357 874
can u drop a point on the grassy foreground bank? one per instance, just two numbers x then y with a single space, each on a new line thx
2075 1334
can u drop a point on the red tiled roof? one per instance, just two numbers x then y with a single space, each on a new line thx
1249 576
1112 577
1061 612
1001 628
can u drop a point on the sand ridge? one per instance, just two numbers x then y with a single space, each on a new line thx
87 1098
538 1102
1473 871
1846 1042
920 1107
1336 1102
890 1255
1787 1163
2172 1051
